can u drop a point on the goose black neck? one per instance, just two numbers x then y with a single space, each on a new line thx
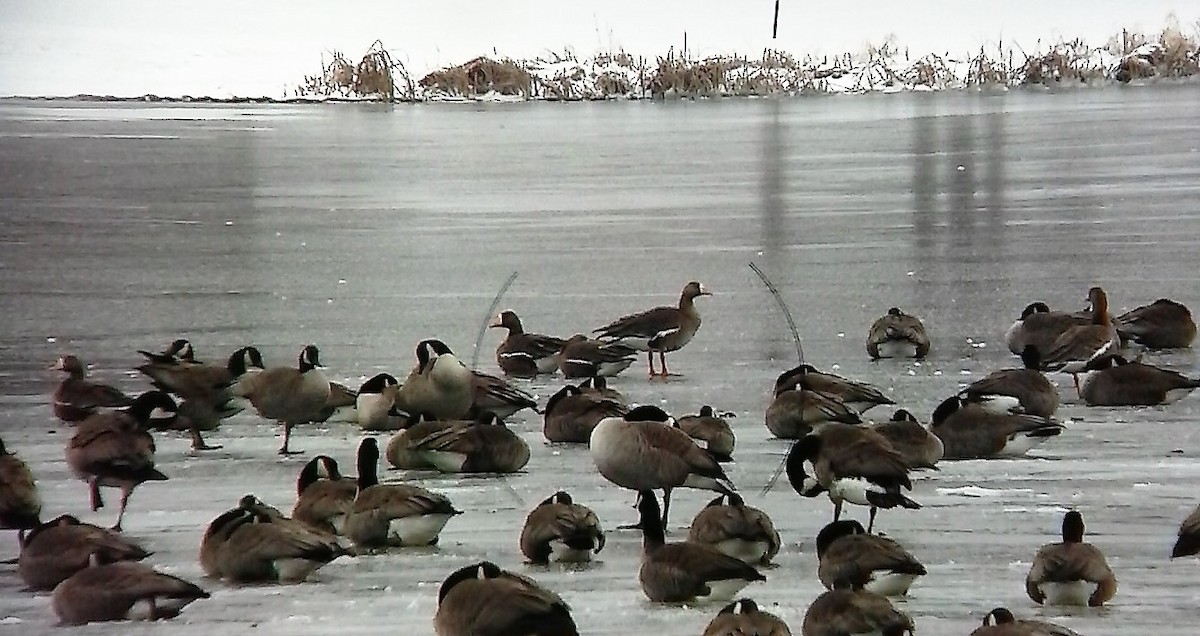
653 534
368 460
308 475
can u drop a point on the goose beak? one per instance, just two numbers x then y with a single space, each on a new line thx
704 291
496 322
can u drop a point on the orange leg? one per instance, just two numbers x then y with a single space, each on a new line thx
662 356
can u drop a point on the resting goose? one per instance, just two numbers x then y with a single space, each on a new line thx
122 591
1163 324
1188 542
744 618
849 610
1115 381
1072 350
400 453
970 431
1070 572
661 329
522 354
897 335
1039 327
340 406
440 385
323 496
916 444
255 543
571 414
20 505
858 396
64 545
490 394
583 357
484 446
375 403
1001 622
559 529
77 397
711 432
845 551
733 528
393 514
289 395
794 410
1036 394
483 600
598 386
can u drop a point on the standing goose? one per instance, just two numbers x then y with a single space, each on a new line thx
1072 350
483 600
733 528
195 417
490 394
859 396
77 397
393 514
114 449
1037 395
642 451
1039 327
521 354
484 446
572 414
323 496
255 543
1114 381
711 431
744 618
1070 572
192 380
661 329
897 335
20 505
288 395
969 430
122 591
685 571
440 385
1001 622
849 610
846 551
582 357
919 447
55 550
375 403
559 529
1188 542
794 410
1163 324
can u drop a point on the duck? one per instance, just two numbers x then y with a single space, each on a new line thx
1036 394
1071 351
1001 622
897 335
484 446
744 617
1188 542
491 394
684 571
393 514
1040 327
643 451
114 448
1070 572
122 591
1163 324
1115 381
571 414
375 403
919 447
560 530
661 329
58 548
255 543
482 599
521 354
323 495
858 396
711 432
289 395
795 410
440 385
971 431
849 610
583 357
20 503
77 397
733 528
845 547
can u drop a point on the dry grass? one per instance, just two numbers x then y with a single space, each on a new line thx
374 77
481 76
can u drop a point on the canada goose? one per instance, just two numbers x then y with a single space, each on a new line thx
744 618
114 449
682 571
192 380
485 446
122 591
1040 327
77 397
1001 622
598 385
845 550
1114 381
661 329
375 401
393 514
849 610
1036 394
180 350
490 394
642 451
64 545
1071 351
858 396
852 464
483 600
1163 324
711 431
440 385
20 505
583 357
970 431
288 395
255 543
323 496
522 354
897 335
194 417
559 529
400 451
1070 572
571 414
916 444
340 405
743 532
1189 536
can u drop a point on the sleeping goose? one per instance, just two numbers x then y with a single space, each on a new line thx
598 385
1070 572
1115 381
859 396
794 410
1071 351
63 546
743 532
711 432
484 446
1188 542
897 335
122 591
20 505
1001 622
571 414
323 496
400 453
919 447
845 550
1163 324
483 600
77 397
440 385
661 329
1036 394
559 529
744 618
849 610
393 514
289 395
522 354
490 394
970 431
255 543
583 357
375 403
1039 327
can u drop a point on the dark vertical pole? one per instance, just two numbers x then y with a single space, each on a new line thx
775 23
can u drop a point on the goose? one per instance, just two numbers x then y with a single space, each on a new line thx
572 414
897 335
1070 572
712 432
113 448
743 617
180 350
77 397
522 354
1163 324
55 550
559 529
340 406
192 380
598 385
255 543
642 451
684 571
661 329
490 394
288 395
794 410
845 550
1115 381
849 610
440 385
1071 351
195 417
122 591
400 453
583 357
916 444
323 496
375 403
858 396
484 600
484 446
1036 394
393 514
1040 327
20 504
970 431
733 528
1001 622
1188 542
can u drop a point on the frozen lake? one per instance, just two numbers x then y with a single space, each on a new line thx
365 228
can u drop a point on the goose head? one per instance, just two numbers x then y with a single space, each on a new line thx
1072 527
559 497
805 450
152 405
428 351
481 570
648 413
506 319
836 530
999 616
1038 307
902 415
310 358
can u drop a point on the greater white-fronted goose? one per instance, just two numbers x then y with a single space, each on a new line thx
1163 324
1040 327
794 410
661 329
255 543
733 528
846 552
1115 381
114 448
323 496
77 397
711 432
919 447
684 571
1188 542
897 335
486 445
744 618
20 505
522 354
1072 350
375 404
440 385
1037 395
393 514
559 529
971 431
490 394
583 357
849 610
1001 622
63 546
571 414
859 396
643 451
1070 572
122 591
288 395
484 600
400 453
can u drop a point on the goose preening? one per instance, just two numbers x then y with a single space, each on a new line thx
743 617
1039 327
1071 351
1188 542
255 543
733 528
795 410
440 385
969 430
661 329
897 335
393 514
858 396
323 495
583 357
522 354
643 451
1036 394
180 350
710 431
289 395
849 610
375 403
1163 324
1001 622
20 504
845 551
1115 381
559 529
684 571
1070 572
571 414
484 600
490 394
485 445
919 447
64 545
122 591
77 397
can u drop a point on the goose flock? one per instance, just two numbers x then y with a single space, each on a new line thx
447 417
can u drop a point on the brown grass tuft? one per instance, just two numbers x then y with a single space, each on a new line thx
481 76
